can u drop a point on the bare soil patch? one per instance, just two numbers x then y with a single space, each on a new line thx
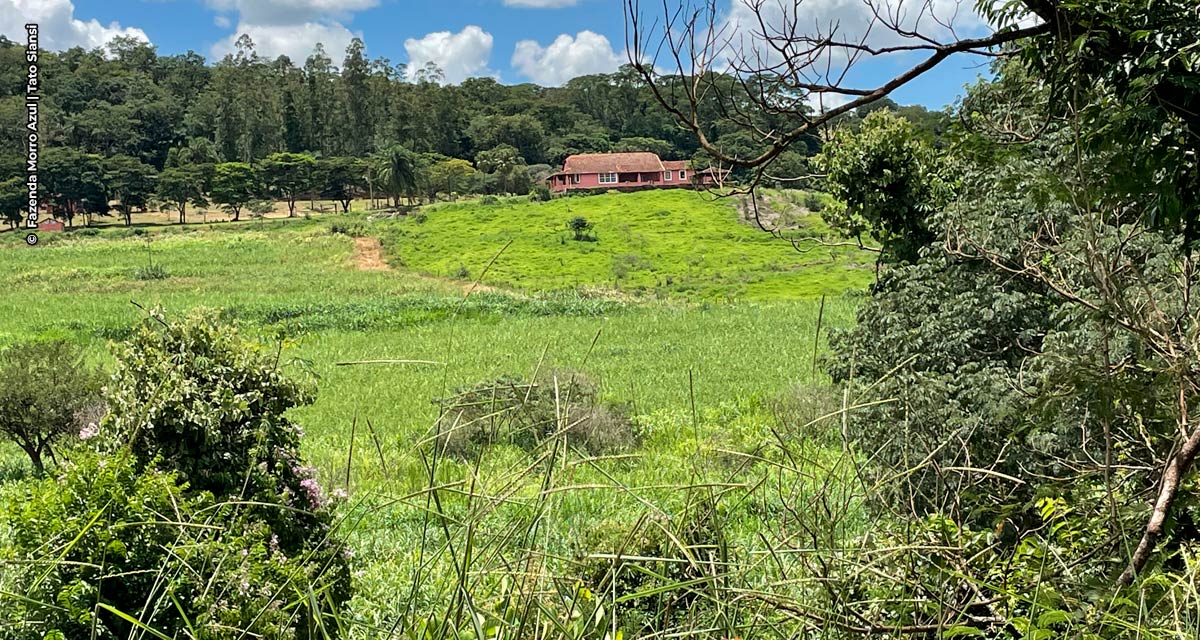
368 255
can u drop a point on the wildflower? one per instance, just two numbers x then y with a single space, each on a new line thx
313 490
339 494
90 431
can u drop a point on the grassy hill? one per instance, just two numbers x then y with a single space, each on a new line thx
676 244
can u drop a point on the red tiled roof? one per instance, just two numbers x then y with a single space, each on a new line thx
642 162
675 165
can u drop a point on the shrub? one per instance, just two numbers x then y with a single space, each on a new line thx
109 541
195 398
581 229
813 202
489 200
510 410
540 193
461 273
151 272
47 392
352 229
658 556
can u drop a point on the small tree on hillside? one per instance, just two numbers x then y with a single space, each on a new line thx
179 187
46 392
580 226
234 185
288 175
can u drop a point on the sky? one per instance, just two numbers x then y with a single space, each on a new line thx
543 41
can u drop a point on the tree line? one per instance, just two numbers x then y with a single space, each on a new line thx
125 125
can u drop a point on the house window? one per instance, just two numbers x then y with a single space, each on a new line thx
682 174
608 178
668 176
574 178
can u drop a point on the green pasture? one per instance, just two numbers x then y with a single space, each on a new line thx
711 373
675 243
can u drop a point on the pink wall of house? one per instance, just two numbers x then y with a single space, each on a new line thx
584 171
563 182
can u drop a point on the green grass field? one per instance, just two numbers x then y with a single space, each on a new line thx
673 243
712 371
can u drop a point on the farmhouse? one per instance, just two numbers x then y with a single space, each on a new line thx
50 224
628 170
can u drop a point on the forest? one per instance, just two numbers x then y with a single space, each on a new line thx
117 118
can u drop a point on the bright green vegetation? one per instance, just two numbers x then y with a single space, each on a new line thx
665 243
705 383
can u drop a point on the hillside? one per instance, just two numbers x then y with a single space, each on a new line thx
670 244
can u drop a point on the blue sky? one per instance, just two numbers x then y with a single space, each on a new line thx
547 44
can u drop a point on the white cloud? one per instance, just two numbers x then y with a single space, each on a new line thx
264 12
58 28
459 55
854 21
565 58
296 41
289 27
822 102
541 4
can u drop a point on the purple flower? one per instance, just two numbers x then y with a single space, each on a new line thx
313 490
339 494
90 431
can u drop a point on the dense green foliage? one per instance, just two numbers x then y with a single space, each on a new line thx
889 181
180 111
1035 372
190 510
48 392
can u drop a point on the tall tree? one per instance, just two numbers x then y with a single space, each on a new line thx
130 182
181 186
355 101
397 170
341 179
75 182
288 175
234 185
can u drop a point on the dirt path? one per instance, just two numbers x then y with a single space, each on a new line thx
368 255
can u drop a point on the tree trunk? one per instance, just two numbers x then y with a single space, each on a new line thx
1172 479
292 207
35 456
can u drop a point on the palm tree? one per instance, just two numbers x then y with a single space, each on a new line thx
397 171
